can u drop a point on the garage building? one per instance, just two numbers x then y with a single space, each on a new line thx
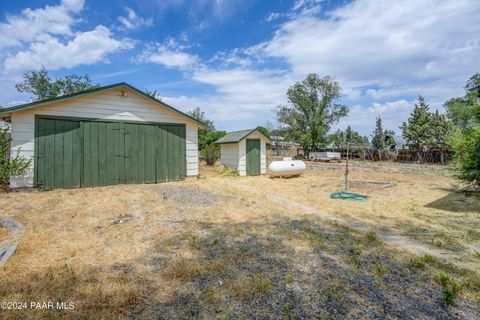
244 151
109 135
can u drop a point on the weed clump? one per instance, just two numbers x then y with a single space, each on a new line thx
421 262
229 172
183 269
450 287
372 237
380 269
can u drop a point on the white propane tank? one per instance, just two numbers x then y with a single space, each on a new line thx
286 168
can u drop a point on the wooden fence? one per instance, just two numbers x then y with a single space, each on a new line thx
430 156
403 155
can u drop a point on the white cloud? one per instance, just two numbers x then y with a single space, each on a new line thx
133 21
85 48
384 43
363 119
383 54
36 24
170 54
274 16
51 40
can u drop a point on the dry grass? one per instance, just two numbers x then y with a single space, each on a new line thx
237 254
422 203
4 232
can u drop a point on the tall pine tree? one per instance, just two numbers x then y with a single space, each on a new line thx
378 139
417 131
441 130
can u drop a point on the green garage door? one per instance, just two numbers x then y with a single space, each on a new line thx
72 153
253 157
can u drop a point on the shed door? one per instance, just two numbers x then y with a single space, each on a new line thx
58 153
77 153
253 157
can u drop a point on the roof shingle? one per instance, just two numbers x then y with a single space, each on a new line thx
236 136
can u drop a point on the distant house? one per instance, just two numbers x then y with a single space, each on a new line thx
104 136
244 151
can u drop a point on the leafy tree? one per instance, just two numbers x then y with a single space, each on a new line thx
198 114
474 81
464 112
10 166
264 130
207 137
389 137
466 145
43 87
340 138
441 128
208 149
154 94
313 110
417 131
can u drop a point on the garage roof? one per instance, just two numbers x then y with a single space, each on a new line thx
237 136
35 104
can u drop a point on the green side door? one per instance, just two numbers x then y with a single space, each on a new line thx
171 153
253 157
57 154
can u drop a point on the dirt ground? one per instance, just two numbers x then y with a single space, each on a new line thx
220 247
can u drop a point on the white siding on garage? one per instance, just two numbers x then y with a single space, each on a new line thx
107 104
229 155
242 166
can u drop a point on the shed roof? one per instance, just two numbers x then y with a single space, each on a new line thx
237 136
35 104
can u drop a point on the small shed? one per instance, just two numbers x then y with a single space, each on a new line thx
244 151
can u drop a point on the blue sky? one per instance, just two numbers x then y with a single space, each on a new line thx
236 59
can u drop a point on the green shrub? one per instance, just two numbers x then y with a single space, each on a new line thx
466 145
10 166
211 153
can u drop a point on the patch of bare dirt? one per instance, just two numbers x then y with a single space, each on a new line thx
185 195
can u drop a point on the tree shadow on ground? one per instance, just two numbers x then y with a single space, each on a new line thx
293 269
457 202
